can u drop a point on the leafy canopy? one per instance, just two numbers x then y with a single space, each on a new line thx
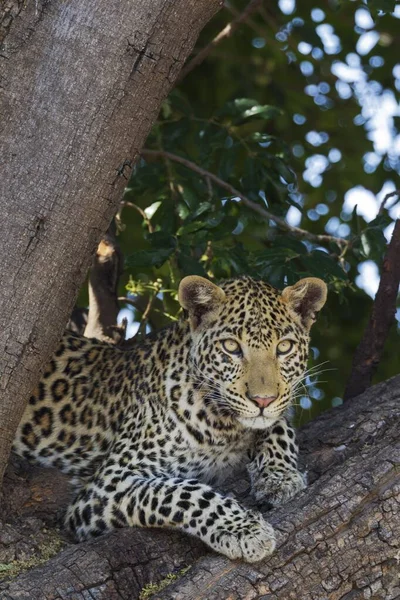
273 132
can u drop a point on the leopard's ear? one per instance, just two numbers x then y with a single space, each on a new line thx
306 298
201 298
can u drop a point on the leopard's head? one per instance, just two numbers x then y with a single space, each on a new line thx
250 342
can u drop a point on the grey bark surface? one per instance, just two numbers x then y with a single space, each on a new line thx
81 83
338 540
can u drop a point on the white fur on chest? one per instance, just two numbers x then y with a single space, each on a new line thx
211 460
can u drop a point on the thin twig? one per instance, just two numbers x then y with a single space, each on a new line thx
131 302
141 212
266 215
369 351
386 198
226 32
249 22
145 316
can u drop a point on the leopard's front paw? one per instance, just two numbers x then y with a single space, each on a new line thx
277 488
250 538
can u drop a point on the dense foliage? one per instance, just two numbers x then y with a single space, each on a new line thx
282 119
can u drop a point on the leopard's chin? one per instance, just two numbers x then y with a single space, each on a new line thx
260 422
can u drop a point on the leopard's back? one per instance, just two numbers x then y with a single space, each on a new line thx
73 415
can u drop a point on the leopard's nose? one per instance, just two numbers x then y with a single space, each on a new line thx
263 401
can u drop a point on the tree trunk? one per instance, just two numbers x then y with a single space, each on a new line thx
81 84
338 540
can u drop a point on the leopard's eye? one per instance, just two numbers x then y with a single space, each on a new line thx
284 347
232 347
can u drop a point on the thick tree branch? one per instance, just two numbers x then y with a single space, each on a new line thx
334 541
369 351
339 537
265 214
226 32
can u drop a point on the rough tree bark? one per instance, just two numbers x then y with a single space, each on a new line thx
81 83
338 540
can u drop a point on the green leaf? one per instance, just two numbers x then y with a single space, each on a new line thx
225 228
255 176
149 258
201 209
162 239
237 107
166 217
214 220
150 211
284 171
320 264
183 210
190 197
380 222
386 6
227 163
290 243
265 112
373 243
190 228
190 265
262 138
355 221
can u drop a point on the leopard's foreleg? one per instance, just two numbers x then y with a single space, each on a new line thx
129 498
273 470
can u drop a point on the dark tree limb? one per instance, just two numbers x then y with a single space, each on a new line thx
338 540
369 351
104 277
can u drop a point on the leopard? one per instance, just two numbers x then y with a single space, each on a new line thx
148 433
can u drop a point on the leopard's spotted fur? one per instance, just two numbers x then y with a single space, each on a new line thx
147 430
